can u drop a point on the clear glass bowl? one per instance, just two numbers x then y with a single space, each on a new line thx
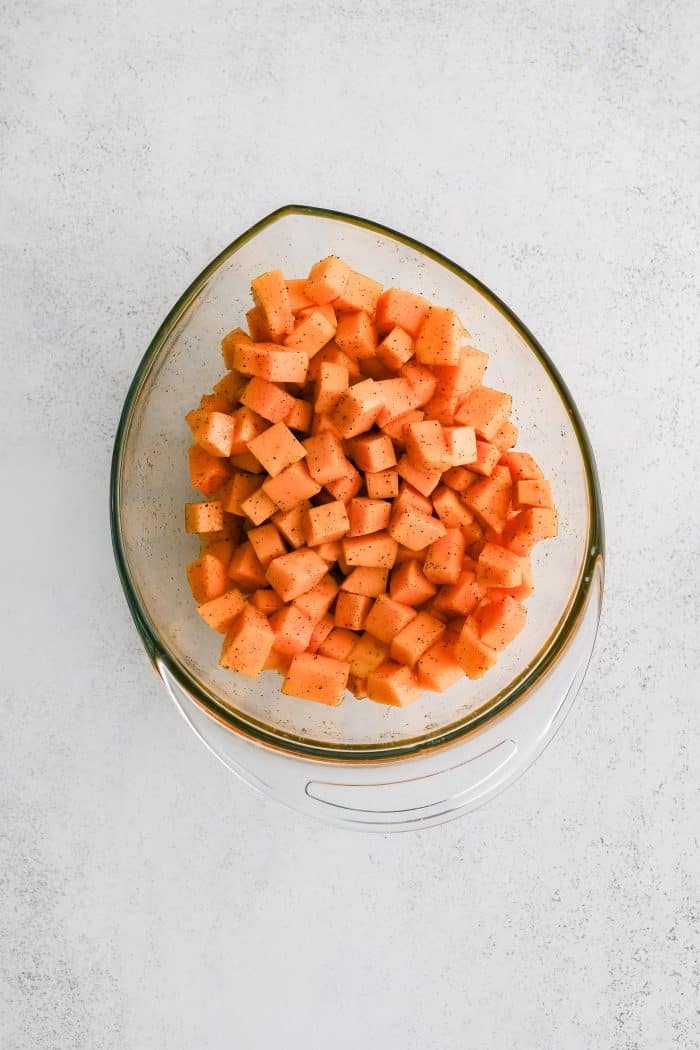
250 725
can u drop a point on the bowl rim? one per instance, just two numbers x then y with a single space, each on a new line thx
289 743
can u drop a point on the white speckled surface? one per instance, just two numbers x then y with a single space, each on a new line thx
146 899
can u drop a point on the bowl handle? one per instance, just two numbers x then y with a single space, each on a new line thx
381 796
414 792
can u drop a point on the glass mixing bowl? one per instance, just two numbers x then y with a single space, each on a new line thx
360 764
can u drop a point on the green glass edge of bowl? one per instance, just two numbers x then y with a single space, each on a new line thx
520 686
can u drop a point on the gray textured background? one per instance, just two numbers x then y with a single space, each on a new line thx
148 900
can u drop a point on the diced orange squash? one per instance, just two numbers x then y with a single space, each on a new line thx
291 486
320 632
267 543
351 610
277 661
316 602
367 655
296 293
347 486
332 355
339 644
258 507
394 428
535 493
229 343
484 409
248 643
498 567
425 479
329 551
237 490
365 580
207 473
319 678
325 457
272 301
269 361
327 280
448 528
374 368
440 337
415 638
395 349
437 668
311 333
530 527
373 452
410 497
387 618
507 436
404 555
325 523
474 536
473 656
326 310
460 443
247 425
450 508
368 515
267 399
276 449
266 601
247 461
414 529
321 423
393 684
500 621
204 517
398 398
290 523
409 584
460 598
490 499
259 332
360 293
293 630
207 404
375 551
299 416
228 390
459 478
214 433
443 562
522 466
357 409
487 457
293 574
358 687
245 570
383 484
331 384
219 613
399 309
356 335
425 445
442 407
232 531
221 549
421 379
472 365
524 588
207 577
